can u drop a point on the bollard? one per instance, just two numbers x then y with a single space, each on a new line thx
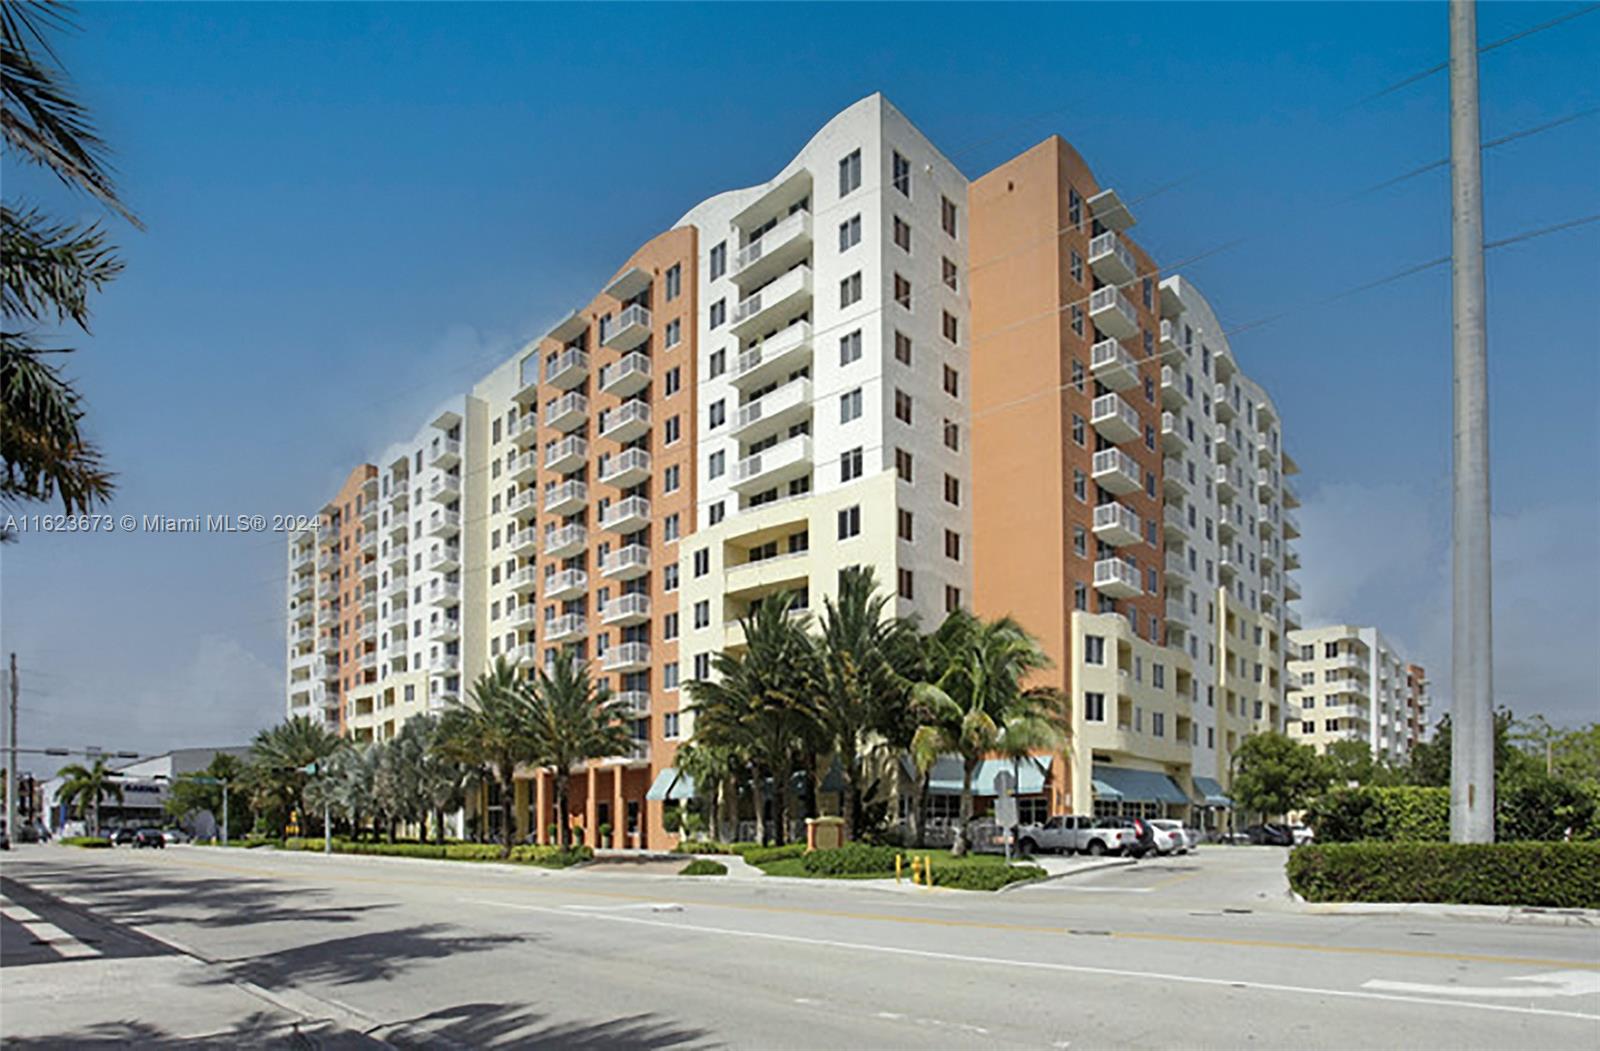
899 859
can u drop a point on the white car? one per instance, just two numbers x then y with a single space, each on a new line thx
1170 836
1302 834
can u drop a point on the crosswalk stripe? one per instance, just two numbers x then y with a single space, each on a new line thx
59 941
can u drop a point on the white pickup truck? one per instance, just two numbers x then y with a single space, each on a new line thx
1070 834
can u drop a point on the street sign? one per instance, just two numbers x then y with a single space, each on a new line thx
1005 799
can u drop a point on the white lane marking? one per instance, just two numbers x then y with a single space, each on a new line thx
889 1015
1041 965
648 906
57 939
1550 983
1108 890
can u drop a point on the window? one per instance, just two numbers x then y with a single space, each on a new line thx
902 348
902 464
1080 430
952 545
902 235
674 333
717 511
717 464
672 430
702 562
674 380
717 415
849 522
674 281
1158 672
850 233
902 291
952 490
849 172
952 382
669 676
669 577
902 406
850 290
1077 267
1158 724
947 216
905 526
702 666
1094 707
1308 727
850 465
1080 486
850 348
1074 208
702 614
907 585
1080 541
1094 649
1077 319
671 527
850 405
1077 376
719 313
496 431
719 363
948 267
669 626
719 260
901 171
952 435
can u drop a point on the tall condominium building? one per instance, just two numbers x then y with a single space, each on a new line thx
1112 515
1348 683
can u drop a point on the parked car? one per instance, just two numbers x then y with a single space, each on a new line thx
123 837
1072 833
1302 834
1171 837
5 840
175 835
150 837
1270 835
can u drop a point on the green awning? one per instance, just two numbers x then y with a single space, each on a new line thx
1211 793
1141 786
671 785
945 777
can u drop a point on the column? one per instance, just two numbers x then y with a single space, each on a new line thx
591 808
541 819
619 813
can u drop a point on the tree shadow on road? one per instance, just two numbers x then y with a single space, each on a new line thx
373 956
260 1030
508 1025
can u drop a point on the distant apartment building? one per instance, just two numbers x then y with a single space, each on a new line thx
1349 683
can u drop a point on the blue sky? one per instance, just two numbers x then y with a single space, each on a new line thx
354 210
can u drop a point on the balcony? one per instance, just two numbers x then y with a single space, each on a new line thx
773 412
445 664
1227 529
626 516
626 422
1266 483
1176 525
524 617
446 629
1169 337
1291 526
568 369
627 330
1112 314
1114 419
445 593
565 498
567 455
632 608
1291 588
1291 558
445 558
1290 498
1227 567
1112 365
634 702
1173 395
1291 620
1178 613
303 636
524 503
1117 472
1226 449
568 583
523 543
566 628
567 412
1117 579
523 656
1117 525
627 468
566 541
773 251
397 555
328 563
524 581
1220 404
773 465
445 489
395 619
1174 479
328 591
444 523
1173 439
1111 260
525 467
1224 481
774 357
1177 569
788 293
626 377
527 429
446 453
328 646
626 563
304 613
629 656
302 586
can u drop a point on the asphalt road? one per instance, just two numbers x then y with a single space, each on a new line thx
230 948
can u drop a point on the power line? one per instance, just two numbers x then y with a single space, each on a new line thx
1491 144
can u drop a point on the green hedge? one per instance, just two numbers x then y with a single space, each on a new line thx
712 846
1405 814
546 856
91 842
983 877
704 867
1551 875
762 855
852 859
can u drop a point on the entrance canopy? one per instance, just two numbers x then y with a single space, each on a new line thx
1138 786
671 785
945 777
1211 793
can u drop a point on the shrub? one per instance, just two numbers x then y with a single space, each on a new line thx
852 859
672 819
1541 807
704 867
764 855
983 877
1551 875
89 842
1399 814
551 856
711 846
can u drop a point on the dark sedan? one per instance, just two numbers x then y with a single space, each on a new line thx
150 837
1270 835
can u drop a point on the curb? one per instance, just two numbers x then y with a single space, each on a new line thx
1525 915
1093 866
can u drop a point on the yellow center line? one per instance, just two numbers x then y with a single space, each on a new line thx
934 921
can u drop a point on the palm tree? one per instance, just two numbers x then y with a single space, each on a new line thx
573 721
857 681
977 704
711 768
278 758
84 787
49 269
439 781
494 732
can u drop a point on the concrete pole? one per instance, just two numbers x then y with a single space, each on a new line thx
11 762
1472 630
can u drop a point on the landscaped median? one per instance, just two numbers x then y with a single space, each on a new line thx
864 861
92 842
1542 875
545 857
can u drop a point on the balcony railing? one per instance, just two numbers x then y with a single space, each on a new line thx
1112 314
625 422
1115 419
626 563
626 515
1117 472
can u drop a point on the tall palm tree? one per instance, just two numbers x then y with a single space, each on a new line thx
278 758
85 786
494 731
441 780
858 684
572 720
711 768
977 705
49 268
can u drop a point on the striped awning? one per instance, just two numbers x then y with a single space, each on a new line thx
946 776
1140 786
1211 793
671 785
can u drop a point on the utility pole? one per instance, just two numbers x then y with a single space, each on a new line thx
11 761
1472 627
